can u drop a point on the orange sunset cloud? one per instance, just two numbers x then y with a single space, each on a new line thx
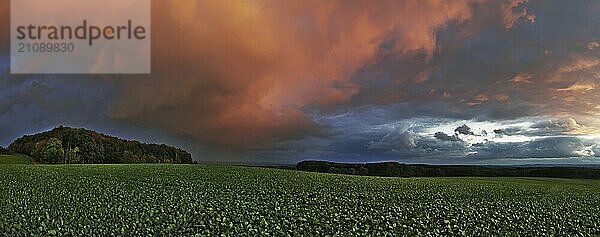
240 72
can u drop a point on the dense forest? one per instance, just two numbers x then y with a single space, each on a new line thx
64 145
394 169
4 151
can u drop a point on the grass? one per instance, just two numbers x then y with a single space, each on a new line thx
188 200
14 159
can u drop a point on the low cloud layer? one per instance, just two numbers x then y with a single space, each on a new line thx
518 139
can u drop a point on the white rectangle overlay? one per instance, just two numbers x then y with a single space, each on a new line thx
80 36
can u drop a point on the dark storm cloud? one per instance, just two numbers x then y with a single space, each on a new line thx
29 104
218 86
478 61
464 129
445 137
508 132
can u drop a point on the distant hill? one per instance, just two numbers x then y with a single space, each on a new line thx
81 146
395 169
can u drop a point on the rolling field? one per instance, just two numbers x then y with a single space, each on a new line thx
188 200
14 159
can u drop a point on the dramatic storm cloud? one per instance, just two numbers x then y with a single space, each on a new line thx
240 73
466 81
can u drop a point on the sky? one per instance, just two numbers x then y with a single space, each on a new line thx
268 81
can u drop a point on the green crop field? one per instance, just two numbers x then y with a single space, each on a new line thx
188 200
14 159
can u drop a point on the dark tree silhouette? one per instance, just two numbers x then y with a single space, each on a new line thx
78 145
394 169
4 151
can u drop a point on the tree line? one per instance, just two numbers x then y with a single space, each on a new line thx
65 145
395 169
4 151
